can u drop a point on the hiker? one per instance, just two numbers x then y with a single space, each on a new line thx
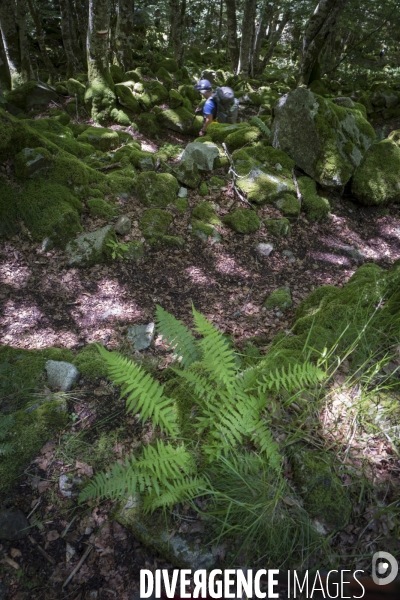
219 107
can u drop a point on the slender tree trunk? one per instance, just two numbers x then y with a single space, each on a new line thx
124 36
100 95
5 79
177 20
13 30
274 39
41 41
221 10
318 28
233 47
248 31
75 41
81 8
68 40
265 16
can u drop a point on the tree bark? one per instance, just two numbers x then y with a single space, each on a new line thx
124 35
274 39
71 51
265 16
5 79
81 8
233 48
319 26
100 95
248 33
221 10
177 20
13 31
41 41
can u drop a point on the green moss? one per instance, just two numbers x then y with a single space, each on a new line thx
169 64
216 183
204 231
102 139
175 99
180 119
218 132
130 154
89 362
189 92
242 137
74 87
181 204
279 298
316 301
159 189
278 227
271 156
243 220
116 73
155 222
205 212
289 206
101 208
148 125
322 491
203 189
318 87
375 181
316 207
165 77
153 93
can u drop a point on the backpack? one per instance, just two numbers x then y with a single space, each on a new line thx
227 105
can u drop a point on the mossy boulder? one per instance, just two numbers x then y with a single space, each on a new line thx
32 94
181 205
32 162
116 73
132 155
157 189
165 77
323 493
179 119
170 65
89 362
148 124
154 223
187 173
76 89
278 227
216 183
89 249
279 298
203 189
204 231
327 141
126 97
100 138
175 99
202 154
153 93
318 87
218 132
316 207
189 92
243 220
376 181
205 211
100 208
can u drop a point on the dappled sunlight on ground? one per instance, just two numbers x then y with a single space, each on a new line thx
228 265
330 258
198 277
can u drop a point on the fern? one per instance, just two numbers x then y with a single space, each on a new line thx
6 422
218 358
185 489
261 125
143 393
178 337
295 377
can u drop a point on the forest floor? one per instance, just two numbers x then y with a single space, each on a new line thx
46 303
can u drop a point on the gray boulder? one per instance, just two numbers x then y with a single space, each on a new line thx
91 248
264 249
13 525
327 141
31 161
344 101
61 375
123 225
202 154
187 173
141 336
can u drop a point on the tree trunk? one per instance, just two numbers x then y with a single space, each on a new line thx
318 28
100 95
71 52
221 10
26 67
265 16
177 20
81 8
5 79
41 41
248 32
124 38
233 47
274 39
11 17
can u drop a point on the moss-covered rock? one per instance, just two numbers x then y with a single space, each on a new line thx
126 97
31 162
100 208
165 77
189 92
116 73
323 493
216 183
327 141
376 180
278 227
218 132
32 94
153 93
289 206
89 249
181 204
100 138
89 362
179 119
132 155
203 189
159 189
205 211
242 220
316 207
279 298
169 64
175 99
187 173
204 231
148 125
76 89
155 223
318 87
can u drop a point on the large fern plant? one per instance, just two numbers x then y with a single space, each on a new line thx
227 417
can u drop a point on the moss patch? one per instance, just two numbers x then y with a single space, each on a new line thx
89 362
243 220
101 208
278 227
159 189
280 298
155 223
376 180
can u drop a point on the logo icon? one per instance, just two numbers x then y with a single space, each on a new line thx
384 568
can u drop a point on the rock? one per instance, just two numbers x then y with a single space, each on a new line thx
278 227
202 154
203 189
243 220
123 225
280 298
316 207
289 255
91 248
175 99
126 97
376 181
327 141
204 231
264 249
134 251
61 375
157 189
31 161
182 192
101 138
289 206
180 119
74 87
66 486
32 95
13 525
344 101
155 223
187 173
141 336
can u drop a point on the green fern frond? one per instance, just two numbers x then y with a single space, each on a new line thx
143 393
6 422
6 449
292 377
218 358
201 387
261 126
165 461
177 336
178 491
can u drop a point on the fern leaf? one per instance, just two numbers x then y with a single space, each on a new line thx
6 449
291 377
201 387
177 336
218 358
261 125
166 462
143 393
6 422
178 491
